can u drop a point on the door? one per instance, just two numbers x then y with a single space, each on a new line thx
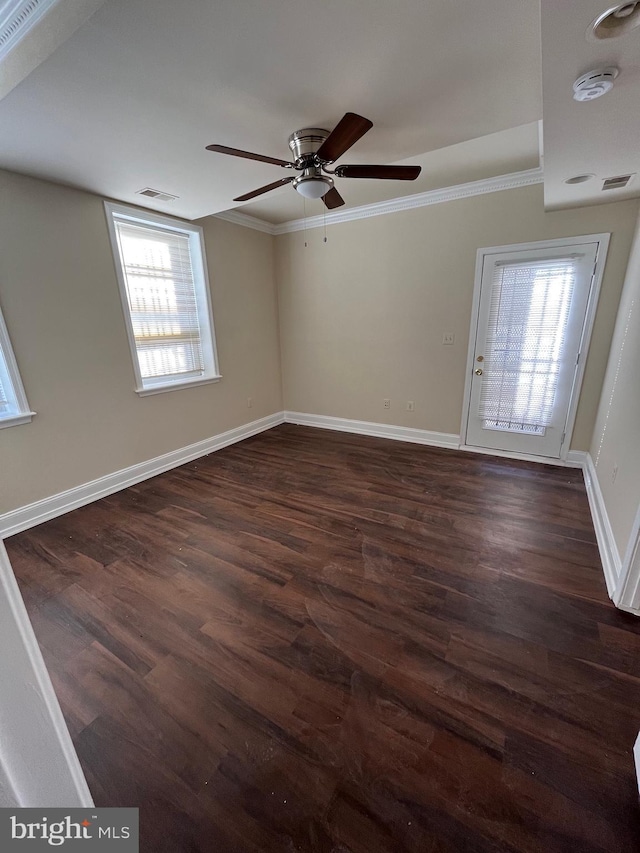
530 326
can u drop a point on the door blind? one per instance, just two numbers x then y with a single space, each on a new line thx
528 315
160 287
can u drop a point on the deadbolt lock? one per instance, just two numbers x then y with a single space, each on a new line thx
478 372
480 358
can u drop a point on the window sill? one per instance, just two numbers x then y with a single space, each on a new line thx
16 420
176 386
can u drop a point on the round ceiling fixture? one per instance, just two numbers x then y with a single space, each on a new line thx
594 84
616 21
311 184
580 179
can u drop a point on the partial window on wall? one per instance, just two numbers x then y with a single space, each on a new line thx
14 408
162 274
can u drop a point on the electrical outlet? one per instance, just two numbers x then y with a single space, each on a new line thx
249 402
410 406
614 473
387 403
448 339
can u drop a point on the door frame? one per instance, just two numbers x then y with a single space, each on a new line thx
585 338
626 595
39 765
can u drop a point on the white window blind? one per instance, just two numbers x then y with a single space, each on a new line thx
4 391
159 278
14 408
163 284
528 316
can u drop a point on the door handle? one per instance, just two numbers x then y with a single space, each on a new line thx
478 372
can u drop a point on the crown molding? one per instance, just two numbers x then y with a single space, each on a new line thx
247 221
31 30
394 205
16 19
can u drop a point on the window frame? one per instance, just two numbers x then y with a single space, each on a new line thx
24 414
140 216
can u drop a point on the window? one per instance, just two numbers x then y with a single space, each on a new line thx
165 295
14 408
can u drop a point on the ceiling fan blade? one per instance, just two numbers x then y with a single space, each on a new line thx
268 188
332 199
345 134
385 173
248 155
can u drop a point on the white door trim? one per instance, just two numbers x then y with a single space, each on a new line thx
585 339
38 761
627 593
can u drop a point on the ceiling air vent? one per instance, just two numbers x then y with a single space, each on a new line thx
157 194
616 183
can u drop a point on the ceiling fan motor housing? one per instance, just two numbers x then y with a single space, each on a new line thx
304 143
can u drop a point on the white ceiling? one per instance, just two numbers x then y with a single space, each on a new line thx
129 96
132 98
600 137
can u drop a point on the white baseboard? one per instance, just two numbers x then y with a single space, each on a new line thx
47 508
33 789
575 458
43 510
611 561
396 433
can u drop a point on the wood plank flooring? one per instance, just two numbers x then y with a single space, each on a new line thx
312 641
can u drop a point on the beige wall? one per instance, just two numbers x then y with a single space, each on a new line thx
616 438
60 299
362 316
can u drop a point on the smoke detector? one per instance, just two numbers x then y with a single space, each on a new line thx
594 84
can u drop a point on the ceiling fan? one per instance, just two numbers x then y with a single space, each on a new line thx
313 150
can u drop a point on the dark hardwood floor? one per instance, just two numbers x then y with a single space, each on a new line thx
312 641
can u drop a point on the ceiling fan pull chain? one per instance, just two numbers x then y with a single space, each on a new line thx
304 214
324 222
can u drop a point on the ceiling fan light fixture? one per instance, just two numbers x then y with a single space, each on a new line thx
313 186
